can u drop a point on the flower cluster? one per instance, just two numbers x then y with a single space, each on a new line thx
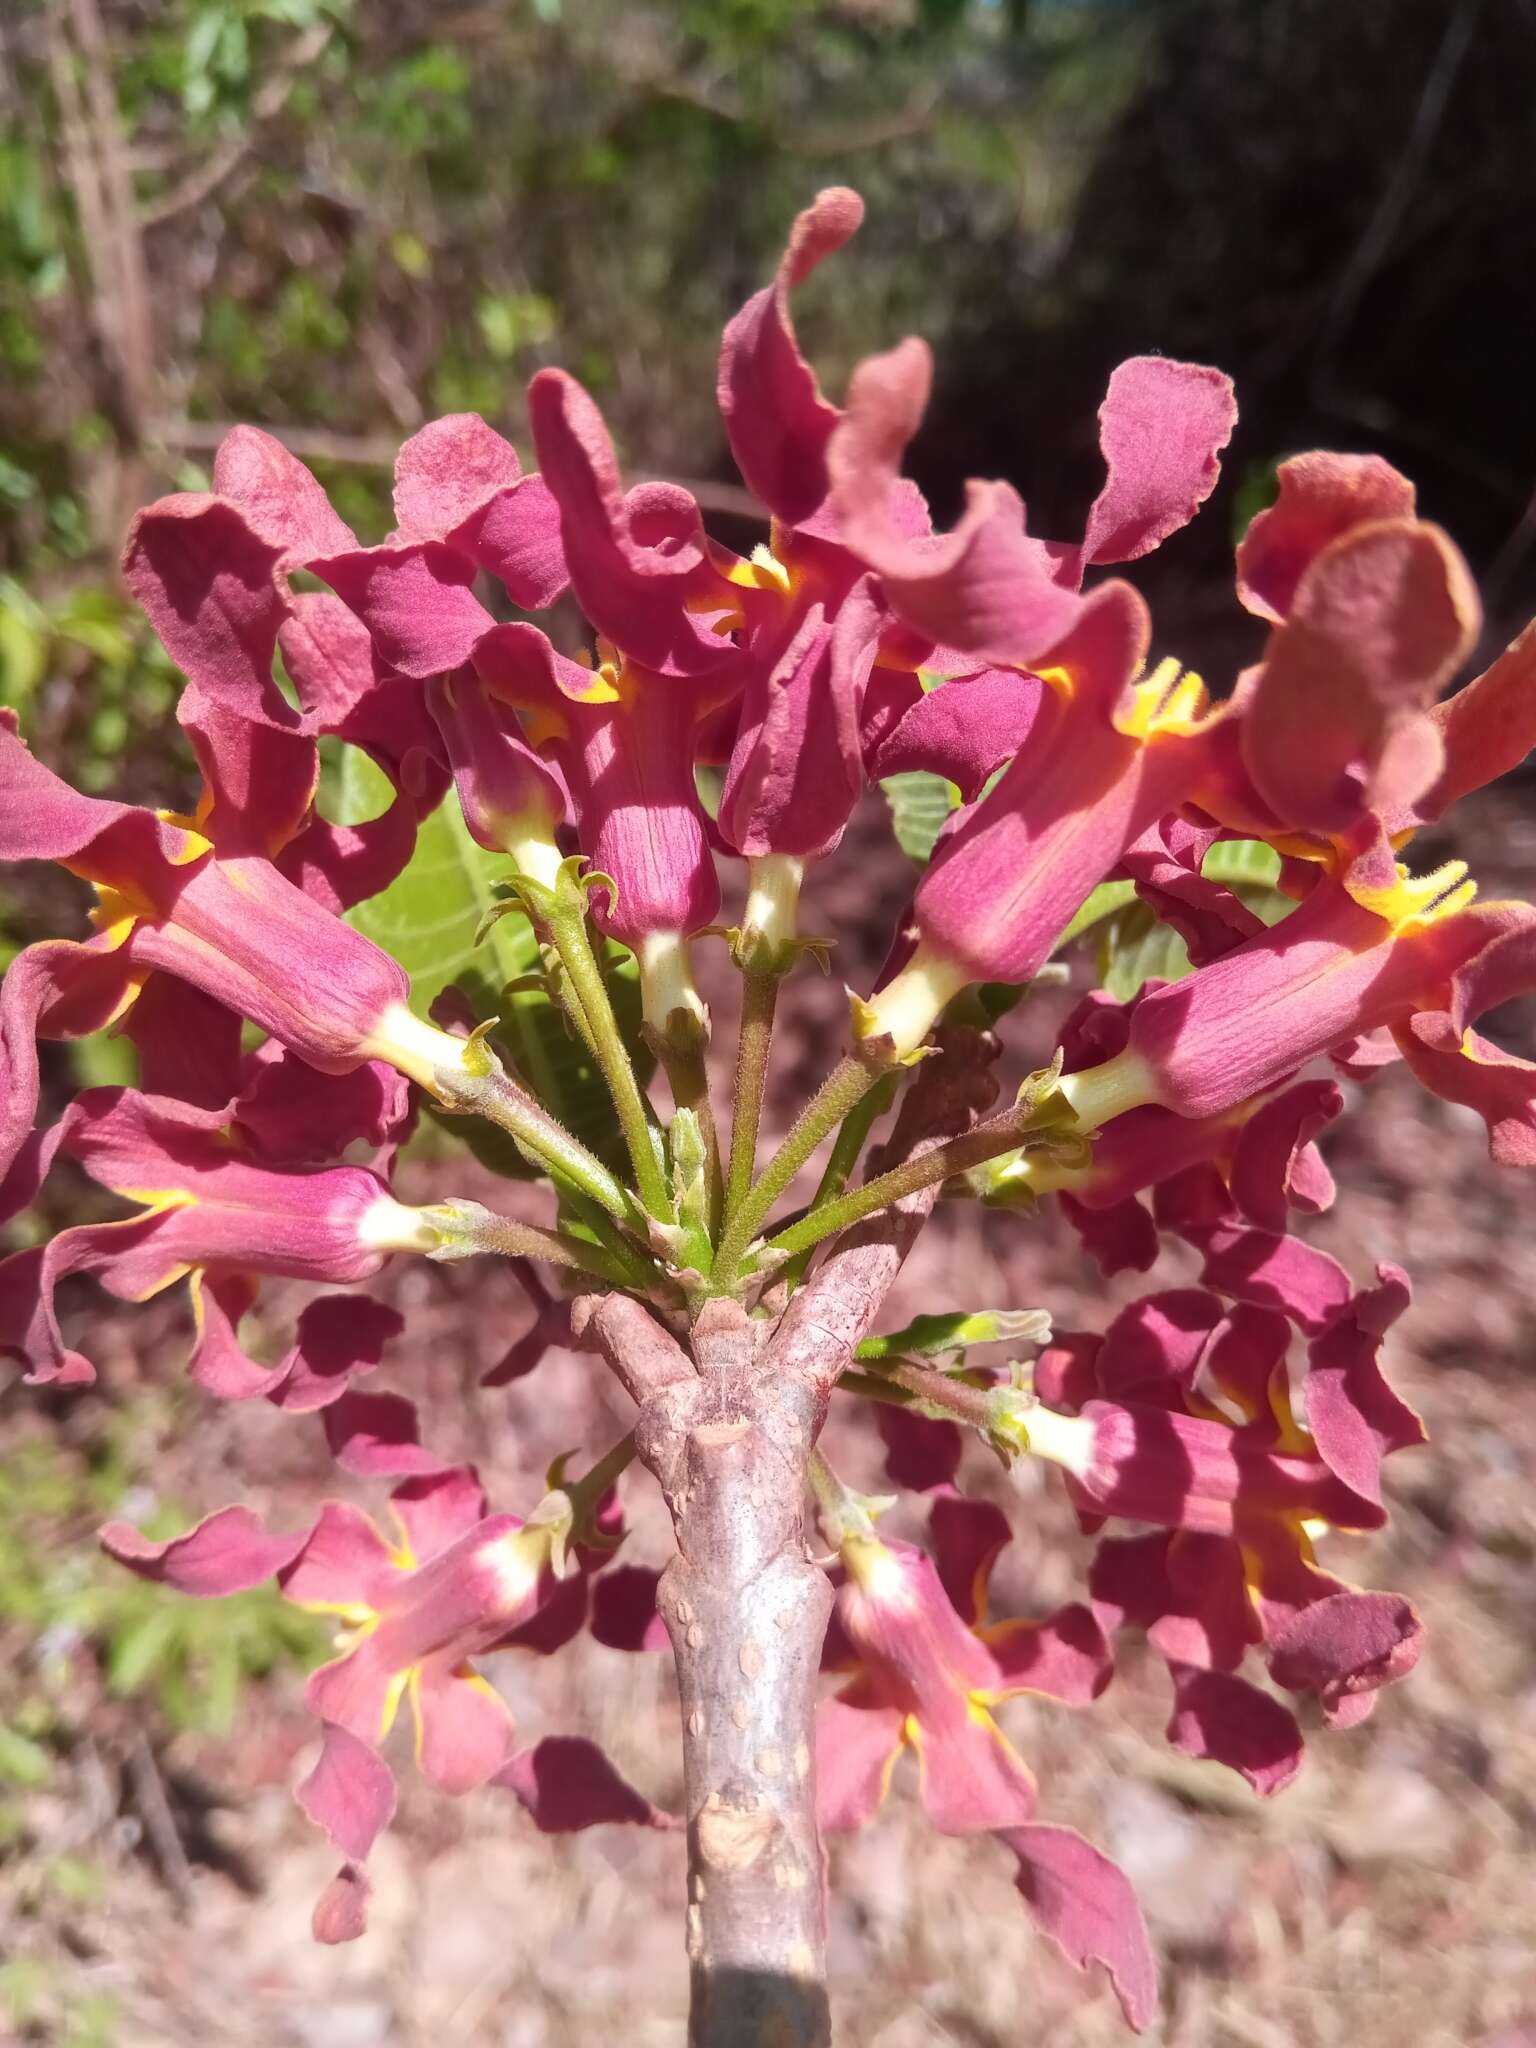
738 707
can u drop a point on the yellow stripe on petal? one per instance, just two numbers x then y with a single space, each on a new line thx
156 1201
399 1680
403 1557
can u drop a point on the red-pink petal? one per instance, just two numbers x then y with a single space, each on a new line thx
350 1792
1065 1658
56 989
970 1776
283 499
1346 1645
438 1508
1086 1905
856 1748
342 1562
1355 1418
1210 918
966 1538
219 1364
188 1044
415 599
1120 1239
797 770
228 1552
636 562
378 1435
1067 1370
293 1115
776 419
460 482
1275 1167
1221 1717
1161 428
210 584
1272 1271
964 731
339 1337
341 1911
1321 497
1338 720
1155 1345
986 588
920 1451
464 1727
1486 729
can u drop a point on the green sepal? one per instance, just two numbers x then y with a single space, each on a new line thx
755 953
690 1193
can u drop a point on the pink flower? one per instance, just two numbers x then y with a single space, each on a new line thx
212 1208
1261 1154
233 928
454 1584
622 737
926 1674
1370 946
511 800
1181 1415
840 510
1109 753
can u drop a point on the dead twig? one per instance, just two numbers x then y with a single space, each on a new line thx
161 1832
267 102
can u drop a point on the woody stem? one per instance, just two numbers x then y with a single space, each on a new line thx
746 1612
729 1435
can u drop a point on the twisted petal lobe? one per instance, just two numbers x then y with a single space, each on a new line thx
776 419
459 481
1321 496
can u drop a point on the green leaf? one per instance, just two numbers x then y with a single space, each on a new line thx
428 918
920 803
1135 949
1105 900
1248 863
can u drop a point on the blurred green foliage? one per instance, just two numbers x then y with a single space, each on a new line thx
76 1631
40 2001
342 218
190 1660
